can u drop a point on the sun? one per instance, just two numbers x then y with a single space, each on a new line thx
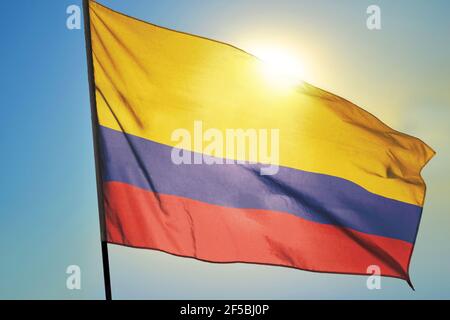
280 66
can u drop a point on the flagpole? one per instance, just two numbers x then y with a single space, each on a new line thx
95 134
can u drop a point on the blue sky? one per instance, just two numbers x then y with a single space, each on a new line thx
48 208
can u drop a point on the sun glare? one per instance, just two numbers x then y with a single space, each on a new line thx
279 66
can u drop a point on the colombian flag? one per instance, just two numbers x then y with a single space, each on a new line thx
347 193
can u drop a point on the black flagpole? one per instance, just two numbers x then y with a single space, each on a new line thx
95 128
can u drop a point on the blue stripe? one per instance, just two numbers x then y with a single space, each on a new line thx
312 196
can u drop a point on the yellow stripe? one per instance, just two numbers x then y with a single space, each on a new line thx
151 81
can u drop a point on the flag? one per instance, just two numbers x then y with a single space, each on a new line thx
325 186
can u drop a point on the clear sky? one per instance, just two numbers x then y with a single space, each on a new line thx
48 208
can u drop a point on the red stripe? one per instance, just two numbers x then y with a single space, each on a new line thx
181 226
